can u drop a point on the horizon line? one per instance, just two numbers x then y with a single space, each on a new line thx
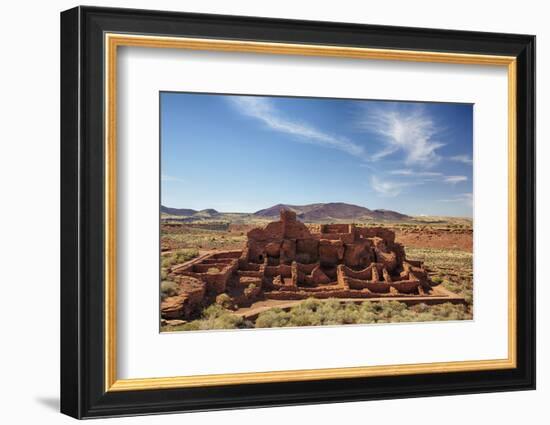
314 203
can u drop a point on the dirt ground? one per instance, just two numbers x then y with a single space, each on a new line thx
437 239
207 238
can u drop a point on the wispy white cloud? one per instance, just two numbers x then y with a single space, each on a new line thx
461 197
263 110
415 173
167 178
465 159
455 179
405 128
389 188
427 176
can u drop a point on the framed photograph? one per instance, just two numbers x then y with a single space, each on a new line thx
261 212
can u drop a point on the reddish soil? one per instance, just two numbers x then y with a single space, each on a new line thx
437 239
460 239
241 228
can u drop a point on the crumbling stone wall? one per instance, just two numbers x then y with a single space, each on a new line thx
288 260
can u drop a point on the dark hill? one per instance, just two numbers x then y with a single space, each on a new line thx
184 212
332 211
187 212
390 215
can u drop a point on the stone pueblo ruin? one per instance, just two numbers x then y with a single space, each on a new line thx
287 260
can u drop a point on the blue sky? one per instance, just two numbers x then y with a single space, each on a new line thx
244 153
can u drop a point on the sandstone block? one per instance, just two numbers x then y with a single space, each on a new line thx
330 252
288 250
358 254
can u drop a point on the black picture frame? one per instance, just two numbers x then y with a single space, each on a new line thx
83 392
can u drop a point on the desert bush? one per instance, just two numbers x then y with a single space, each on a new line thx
214 311
303 318
450 311
274 318
313 312
420 308
168 289
311 304
224 300
226 321
186 254
190 326
250 290
437 280
213 270
349 314
365 316
179 256
213 317
166 262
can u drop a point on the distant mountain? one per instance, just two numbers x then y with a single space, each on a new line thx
332 211
186 212
390 215
274 210
183 212
208 211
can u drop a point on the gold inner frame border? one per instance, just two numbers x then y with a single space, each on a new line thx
112 41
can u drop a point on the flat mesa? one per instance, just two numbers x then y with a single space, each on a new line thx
288 260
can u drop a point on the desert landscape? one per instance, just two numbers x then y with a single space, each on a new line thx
288 211
309 265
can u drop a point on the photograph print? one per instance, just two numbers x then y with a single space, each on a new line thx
281 212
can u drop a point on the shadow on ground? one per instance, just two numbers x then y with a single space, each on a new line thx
49 402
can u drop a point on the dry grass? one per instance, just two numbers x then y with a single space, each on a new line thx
213 317
203 239
314 312
176 257
452 268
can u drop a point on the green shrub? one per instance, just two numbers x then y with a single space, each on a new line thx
250 290
217 317
178 257
168 289
274 318
311 304
303 318
213 311
420 308
315 312
187 254
224 300
213 317
166 262
190 326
